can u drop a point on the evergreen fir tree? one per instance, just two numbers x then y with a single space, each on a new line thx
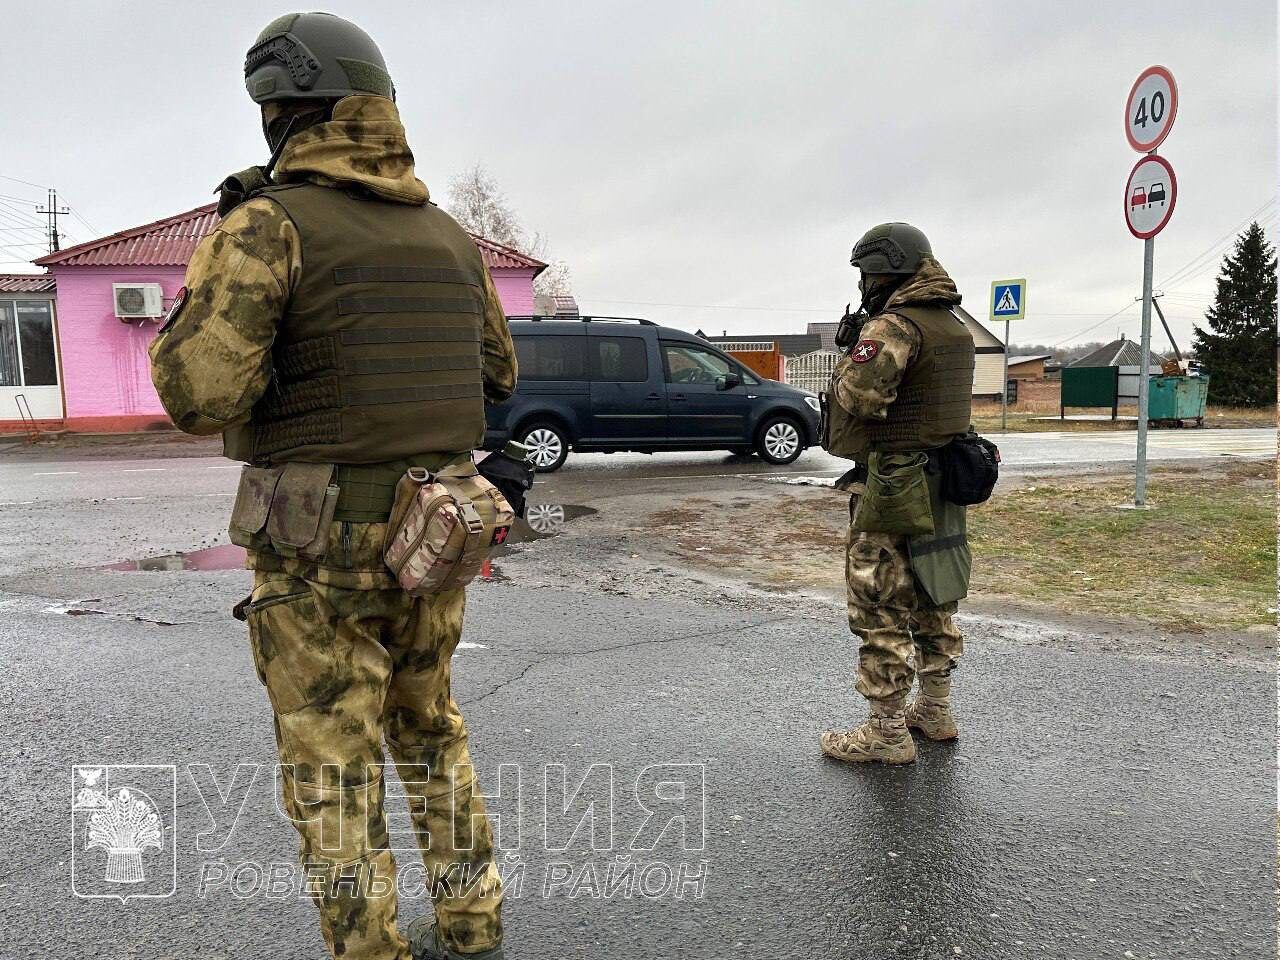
1238 350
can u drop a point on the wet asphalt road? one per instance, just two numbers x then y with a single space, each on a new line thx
1102 803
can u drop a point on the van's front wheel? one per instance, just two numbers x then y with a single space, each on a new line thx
547 443
778 441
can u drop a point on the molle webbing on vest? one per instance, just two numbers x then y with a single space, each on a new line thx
411 335
935 397
358 365
343 275
302 359
378 356
300 431
287 400
407 394
408 305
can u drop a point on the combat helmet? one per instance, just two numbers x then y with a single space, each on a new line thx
891 248
314 56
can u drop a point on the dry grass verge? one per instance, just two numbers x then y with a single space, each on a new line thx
1204 556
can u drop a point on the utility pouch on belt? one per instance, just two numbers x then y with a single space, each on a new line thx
443 527
941 560
970 469
897 496
285 509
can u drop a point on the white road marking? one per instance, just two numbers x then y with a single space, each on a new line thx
144 470
468 645
18 503
112 499
57 473
219 494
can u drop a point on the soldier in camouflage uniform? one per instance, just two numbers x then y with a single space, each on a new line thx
901 390
337 328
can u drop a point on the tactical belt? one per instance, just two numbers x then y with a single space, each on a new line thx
368 490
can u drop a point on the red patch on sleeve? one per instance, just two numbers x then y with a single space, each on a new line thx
865 350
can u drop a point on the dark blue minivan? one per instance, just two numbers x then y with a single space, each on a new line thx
605 384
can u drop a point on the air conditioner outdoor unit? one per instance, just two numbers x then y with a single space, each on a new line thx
138 301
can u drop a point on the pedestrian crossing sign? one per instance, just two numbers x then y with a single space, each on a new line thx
1008 299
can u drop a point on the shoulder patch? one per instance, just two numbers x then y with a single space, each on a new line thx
865 350
179 301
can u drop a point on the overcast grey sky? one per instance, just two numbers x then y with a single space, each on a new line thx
717 157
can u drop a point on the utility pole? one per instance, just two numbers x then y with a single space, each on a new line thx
1155 302
52 212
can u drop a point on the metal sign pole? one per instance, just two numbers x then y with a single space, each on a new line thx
1144 373
1004 383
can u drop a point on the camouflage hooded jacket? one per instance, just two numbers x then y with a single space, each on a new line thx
212 362
866 389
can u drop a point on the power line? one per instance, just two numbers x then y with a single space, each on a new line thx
1179 275
21 214
1214 262
27 183
1211 252
53 212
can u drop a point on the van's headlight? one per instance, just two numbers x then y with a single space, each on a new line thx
812 401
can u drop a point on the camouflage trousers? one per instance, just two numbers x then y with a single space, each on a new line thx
894 617
346 668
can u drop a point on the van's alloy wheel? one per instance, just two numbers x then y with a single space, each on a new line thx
780 441
546 447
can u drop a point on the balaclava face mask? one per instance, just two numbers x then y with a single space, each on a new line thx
876 289
276 119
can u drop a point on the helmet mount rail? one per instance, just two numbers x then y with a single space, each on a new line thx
292 52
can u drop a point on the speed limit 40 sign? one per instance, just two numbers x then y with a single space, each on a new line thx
1149 112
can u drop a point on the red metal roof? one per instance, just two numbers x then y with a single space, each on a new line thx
497 255
165 243
170 243
27 283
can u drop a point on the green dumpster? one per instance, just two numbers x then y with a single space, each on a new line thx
1179 398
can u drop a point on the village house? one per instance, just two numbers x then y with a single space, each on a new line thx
73 341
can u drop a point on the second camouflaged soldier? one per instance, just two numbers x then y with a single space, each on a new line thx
900 393
337 329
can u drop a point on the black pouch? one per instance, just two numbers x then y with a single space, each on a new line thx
511 474
970 468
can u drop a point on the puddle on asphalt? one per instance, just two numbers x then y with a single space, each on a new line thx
225 557
541 520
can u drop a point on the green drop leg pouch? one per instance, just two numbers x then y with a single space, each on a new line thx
897 496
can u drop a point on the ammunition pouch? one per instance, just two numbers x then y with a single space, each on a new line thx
285 509
897 498
443 527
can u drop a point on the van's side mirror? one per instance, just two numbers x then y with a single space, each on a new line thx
728 381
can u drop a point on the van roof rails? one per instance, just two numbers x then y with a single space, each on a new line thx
538 319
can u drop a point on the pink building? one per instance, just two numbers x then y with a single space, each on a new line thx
94 374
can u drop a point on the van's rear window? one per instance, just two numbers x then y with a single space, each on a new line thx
551 358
